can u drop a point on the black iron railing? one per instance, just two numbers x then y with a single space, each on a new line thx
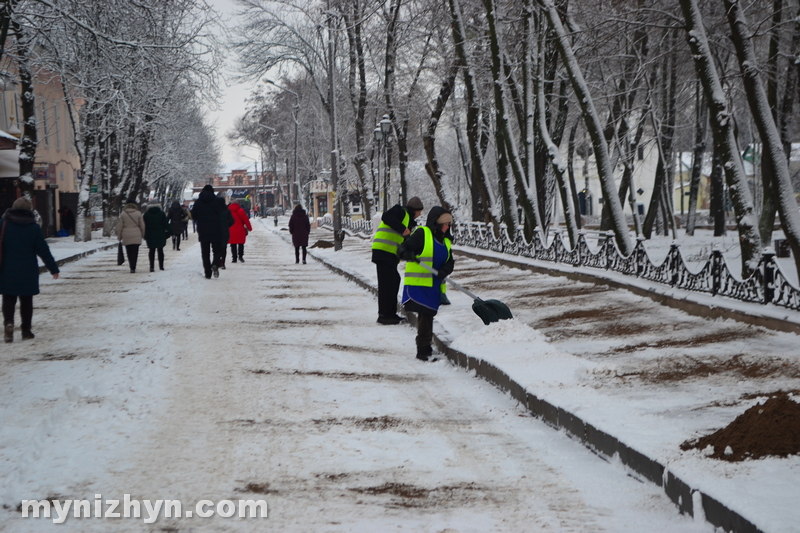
767 285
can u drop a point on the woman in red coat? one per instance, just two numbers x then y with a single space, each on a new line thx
299 227
238 232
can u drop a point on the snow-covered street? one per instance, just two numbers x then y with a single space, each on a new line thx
274 382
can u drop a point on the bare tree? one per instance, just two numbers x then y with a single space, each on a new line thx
722 128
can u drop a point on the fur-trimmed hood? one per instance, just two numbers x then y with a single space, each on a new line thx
22 217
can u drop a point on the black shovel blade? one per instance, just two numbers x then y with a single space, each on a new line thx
491 310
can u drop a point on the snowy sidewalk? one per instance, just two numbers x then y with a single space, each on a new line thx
274 382
628 377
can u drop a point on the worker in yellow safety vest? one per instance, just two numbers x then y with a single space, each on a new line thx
429 244
396 224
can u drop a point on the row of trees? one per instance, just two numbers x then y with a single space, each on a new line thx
502 95
136 76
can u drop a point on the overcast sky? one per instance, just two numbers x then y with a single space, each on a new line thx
232 99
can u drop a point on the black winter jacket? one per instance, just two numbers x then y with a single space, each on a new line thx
394 219
207 212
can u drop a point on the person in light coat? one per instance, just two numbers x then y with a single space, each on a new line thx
130 230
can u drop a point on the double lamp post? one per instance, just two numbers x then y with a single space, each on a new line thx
382 134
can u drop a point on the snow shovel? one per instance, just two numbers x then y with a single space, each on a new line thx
488 310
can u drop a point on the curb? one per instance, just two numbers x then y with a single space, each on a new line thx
70 259
603 444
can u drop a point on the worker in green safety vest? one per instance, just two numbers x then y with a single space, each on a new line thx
396 224
429 245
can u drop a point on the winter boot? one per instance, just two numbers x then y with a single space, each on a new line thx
424 353
8 333
27 334
241 259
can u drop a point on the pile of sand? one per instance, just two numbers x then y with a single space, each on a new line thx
768 429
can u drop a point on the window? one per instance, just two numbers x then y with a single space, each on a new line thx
57 129
44 134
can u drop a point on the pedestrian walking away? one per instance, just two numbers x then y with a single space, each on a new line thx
238 231
226 221
130 230
422 289
21 241
157 229
177 218
299 227
396 224
187 217
207 213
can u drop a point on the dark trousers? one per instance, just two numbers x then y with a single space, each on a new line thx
237 250
185 230
152 254
424 333
297 254
176 242
132 250
388 285
213 249
25 309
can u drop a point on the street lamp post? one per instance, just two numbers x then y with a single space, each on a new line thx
382 134
295 112
378 135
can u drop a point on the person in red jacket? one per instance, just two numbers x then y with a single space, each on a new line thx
238 232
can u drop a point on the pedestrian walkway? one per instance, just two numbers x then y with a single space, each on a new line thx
274 382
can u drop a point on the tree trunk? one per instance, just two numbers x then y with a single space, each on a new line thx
504 137
555 155
722 125
700 126
594 128
429 137
571 172
357 81
28 141
767 129
475 137
718 199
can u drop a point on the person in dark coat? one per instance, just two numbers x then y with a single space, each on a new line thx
157 228
396 224
238 231
227 221
299 227
177 218
19 273
67 220
422 290
207 212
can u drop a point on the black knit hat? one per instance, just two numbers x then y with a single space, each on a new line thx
415 204
208 188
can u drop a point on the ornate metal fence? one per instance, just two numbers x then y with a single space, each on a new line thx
767 285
